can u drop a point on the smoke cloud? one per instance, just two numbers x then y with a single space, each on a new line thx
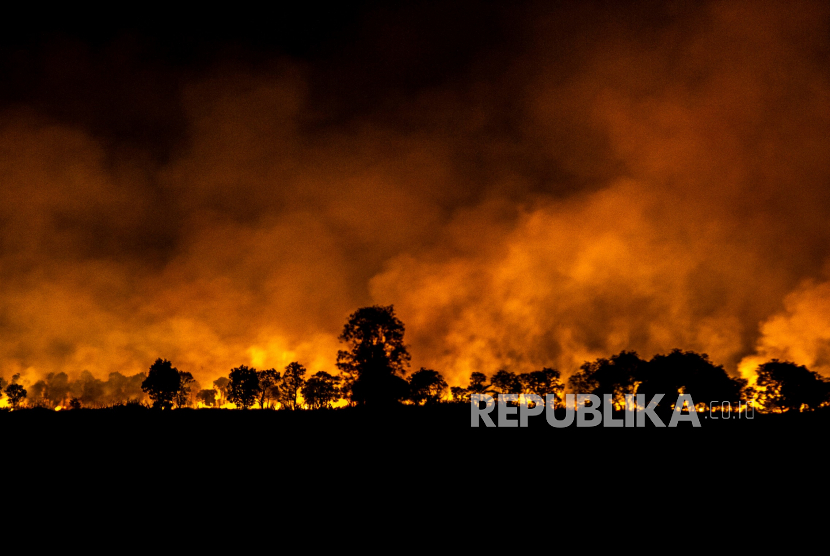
529 188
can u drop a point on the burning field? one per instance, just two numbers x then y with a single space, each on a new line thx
529 186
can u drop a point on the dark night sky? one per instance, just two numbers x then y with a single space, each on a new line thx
532 184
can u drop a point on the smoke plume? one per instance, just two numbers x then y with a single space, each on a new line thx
530 187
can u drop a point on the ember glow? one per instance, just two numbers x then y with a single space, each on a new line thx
529 187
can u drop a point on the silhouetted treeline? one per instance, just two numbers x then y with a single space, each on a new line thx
781 386
58 390
373 373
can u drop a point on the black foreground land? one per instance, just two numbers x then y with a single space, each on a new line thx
218 430
410 451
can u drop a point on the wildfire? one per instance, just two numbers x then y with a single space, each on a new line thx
608 195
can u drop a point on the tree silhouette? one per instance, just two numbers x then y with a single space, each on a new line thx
692 373
321 390
616 376
506 382
543 382
16 394
186 382
784 386
243 386
460 394
377 358
291 385
3 385
268 379
427 386
478 383
161 384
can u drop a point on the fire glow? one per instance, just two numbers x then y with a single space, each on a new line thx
660 185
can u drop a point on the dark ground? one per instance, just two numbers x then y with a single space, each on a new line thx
136 432
324 463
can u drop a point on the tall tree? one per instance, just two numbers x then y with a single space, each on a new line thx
161 384
243 386
376 359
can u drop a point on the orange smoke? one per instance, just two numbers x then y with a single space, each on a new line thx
600 183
